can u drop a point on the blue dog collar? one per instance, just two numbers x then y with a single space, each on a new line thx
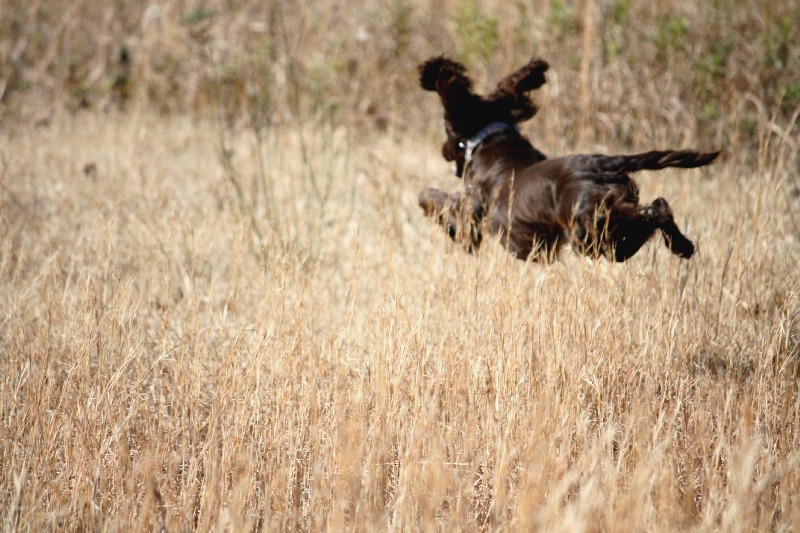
491 129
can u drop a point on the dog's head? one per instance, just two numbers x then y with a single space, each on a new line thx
467 113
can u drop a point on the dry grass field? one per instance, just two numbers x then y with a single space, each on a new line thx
221 308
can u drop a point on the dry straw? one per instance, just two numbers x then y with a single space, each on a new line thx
238 318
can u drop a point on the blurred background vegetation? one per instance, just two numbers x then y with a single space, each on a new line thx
191 344
710 69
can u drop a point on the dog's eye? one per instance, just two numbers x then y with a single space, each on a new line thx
462 145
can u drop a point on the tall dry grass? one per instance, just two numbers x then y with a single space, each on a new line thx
238 319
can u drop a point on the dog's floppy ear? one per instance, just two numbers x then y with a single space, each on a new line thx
441 75
429 72
531 76
511 91
524 79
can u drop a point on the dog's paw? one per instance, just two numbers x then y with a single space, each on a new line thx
432 201
679 245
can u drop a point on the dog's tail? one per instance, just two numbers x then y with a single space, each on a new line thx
656 160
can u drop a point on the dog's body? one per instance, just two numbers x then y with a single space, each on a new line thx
536 204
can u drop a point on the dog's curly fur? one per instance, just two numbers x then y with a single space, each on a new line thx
466 113
537 204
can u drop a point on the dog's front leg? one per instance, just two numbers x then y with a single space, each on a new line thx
457 213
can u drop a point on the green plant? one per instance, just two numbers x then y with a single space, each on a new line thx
615 38
710 69
777 41
562 19
710 110
781 61
669 36
791 94
198 15
712 65
478 35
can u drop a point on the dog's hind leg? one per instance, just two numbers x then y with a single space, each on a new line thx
459 215
628 232
673 238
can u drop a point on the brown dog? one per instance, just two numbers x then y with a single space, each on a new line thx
536 204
